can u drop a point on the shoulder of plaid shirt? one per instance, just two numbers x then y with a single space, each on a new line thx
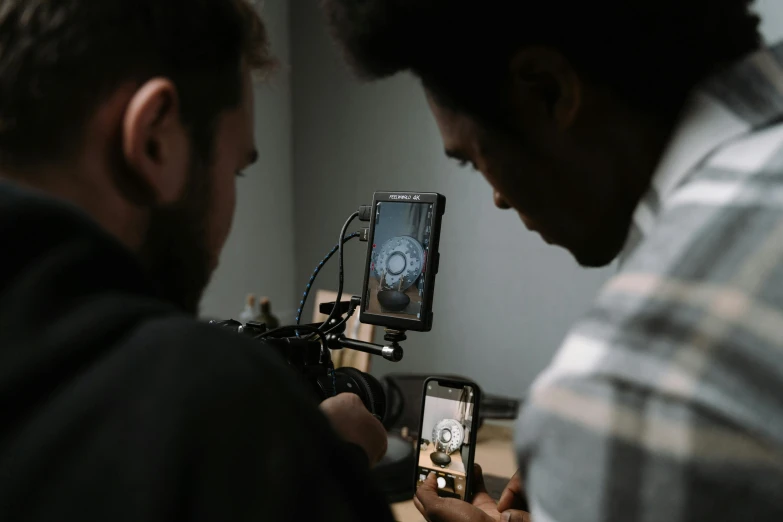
666 400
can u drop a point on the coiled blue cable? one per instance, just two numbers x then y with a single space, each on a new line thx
315 274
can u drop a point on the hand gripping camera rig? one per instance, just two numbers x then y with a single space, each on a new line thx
398 290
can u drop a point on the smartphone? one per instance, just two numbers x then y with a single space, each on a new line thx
447 435
403 260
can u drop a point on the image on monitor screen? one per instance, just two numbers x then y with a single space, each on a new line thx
398 262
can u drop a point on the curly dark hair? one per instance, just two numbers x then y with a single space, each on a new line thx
59 59
650 52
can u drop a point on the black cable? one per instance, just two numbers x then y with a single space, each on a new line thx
276 332
315 274
344 320
365 213
296 329
340 242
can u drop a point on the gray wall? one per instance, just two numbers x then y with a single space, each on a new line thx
771 12
259 255
437 409
504 299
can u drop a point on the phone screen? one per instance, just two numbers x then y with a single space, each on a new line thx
445 442
397 276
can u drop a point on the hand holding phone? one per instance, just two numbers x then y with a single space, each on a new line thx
449 486
447 440
483 507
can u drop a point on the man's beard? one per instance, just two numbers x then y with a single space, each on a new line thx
175 250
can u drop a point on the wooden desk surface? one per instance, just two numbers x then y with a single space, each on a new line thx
495 454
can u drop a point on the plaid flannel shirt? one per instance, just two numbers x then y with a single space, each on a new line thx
665 402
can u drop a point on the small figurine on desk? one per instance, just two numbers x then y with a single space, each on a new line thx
266 316
250 312
259 311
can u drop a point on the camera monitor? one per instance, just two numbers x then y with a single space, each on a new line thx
403 260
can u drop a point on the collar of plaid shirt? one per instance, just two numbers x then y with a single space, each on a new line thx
738 100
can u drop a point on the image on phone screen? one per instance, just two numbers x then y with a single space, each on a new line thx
446 441
401 244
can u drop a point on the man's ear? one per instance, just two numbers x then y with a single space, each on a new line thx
155 143
542 75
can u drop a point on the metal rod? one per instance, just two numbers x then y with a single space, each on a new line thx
390 353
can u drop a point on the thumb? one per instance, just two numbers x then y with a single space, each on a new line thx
480 494
428 490
426 498
513 515
478 479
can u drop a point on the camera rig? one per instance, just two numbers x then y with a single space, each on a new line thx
308 351
307 348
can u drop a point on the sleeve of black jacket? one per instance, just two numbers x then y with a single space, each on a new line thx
250 443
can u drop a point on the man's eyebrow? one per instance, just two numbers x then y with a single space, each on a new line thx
253 157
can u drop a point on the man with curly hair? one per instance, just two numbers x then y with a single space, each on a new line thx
648 131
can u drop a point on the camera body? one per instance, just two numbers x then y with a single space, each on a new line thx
314 363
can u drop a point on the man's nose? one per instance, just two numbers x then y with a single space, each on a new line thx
500 202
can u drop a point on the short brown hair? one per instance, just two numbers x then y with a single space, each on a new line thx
60 58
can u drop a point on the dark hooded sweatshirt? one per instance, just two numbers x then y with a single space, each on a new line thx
115 406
